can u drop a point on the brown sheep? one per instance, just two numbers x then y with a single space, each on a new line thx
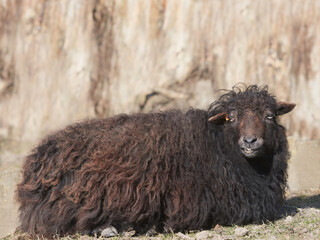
168 170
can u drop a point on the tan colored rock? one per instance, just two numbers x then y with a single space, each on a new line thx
304 165
61 62
202 235
241 231
183 236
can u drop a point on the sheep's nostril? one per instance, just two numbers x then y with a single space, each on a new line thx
250 139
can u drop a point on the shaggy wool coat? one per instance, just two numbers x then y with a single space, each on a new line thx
169 170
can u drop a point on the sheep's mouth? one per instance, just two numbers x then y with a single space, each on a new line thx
249 152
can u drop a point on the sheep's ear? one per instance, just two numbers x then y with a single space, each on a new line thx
218 118
283 108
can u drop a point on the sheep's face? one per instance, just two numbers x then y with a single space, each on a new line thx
253 130
249 121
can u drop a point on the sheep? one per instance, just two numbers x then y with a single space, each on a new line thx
170 170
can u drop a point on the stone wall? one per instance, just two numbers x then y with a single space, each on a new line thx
61 61
8 207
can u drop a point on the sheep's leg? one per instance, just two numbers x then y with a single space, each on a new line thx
151 232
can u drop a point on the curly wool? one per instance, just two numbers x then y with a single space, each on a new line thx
169 170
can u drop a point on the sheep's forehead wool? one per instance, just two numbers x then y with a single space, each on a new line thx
252 98
255 102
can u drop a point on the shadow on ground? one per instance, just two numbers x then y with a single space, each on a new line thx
294 202
304 201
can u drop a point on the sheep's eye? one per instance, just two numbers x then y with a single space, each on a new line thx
230 118
270 117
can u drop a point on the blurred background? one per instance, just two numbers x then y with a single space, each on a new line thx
63 61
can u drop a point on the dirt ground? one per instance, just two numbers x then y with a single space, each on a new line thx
300 220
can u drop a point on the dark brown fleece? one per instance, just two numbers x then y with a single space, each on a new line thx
169 170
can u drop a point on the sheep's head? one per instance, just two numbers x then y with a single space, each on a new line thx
249 120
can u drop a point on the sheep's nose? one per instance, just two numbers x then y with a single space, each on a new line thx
250 139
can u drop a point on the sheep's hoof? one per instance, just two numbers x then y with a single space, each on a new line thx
152 232
109 232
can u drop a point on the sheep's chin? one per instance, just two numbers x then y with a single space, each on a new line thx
259 160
